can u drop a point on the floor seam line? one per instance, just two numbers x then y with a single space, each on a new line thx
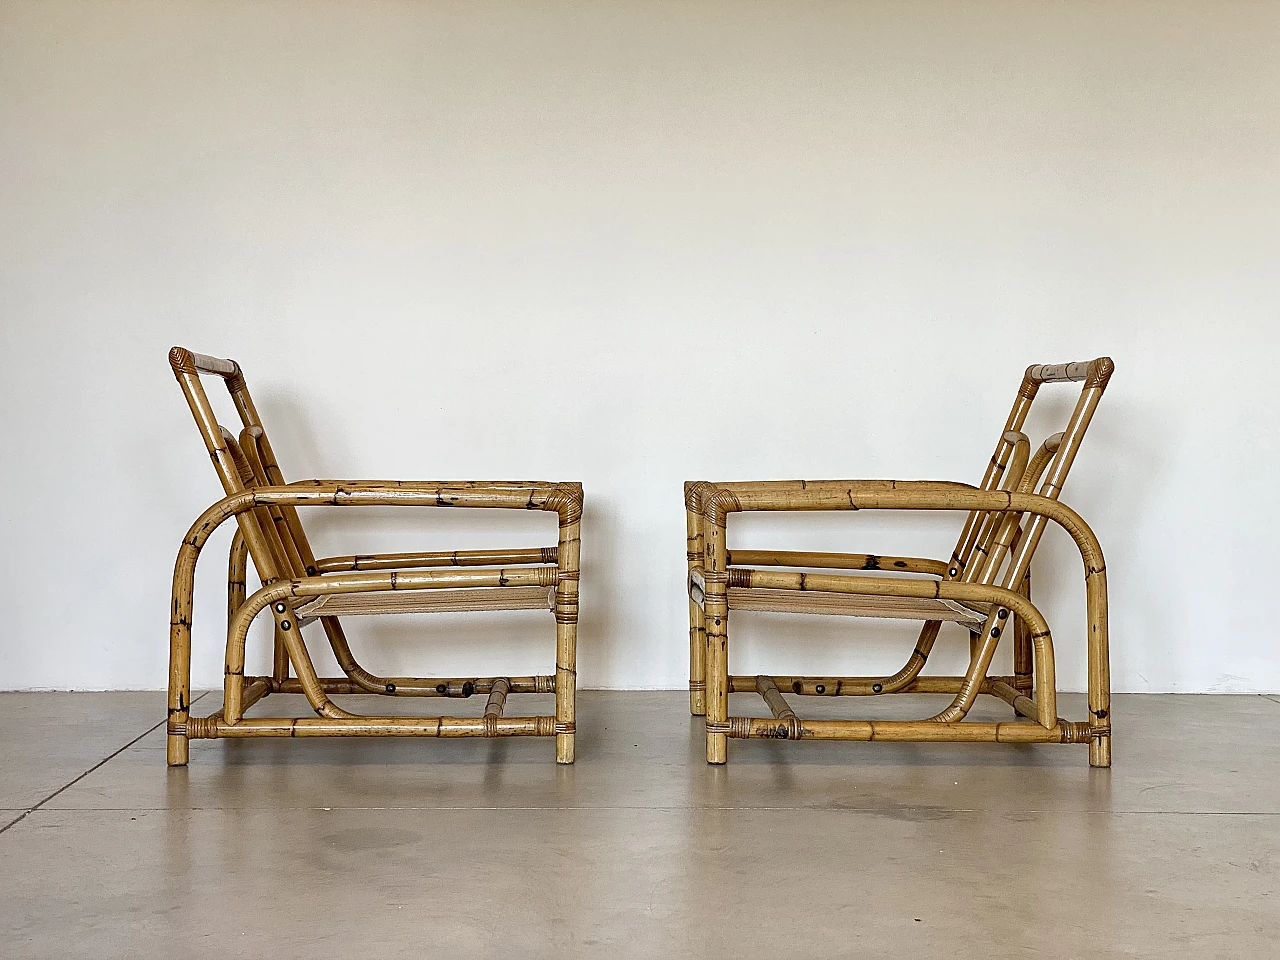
96 766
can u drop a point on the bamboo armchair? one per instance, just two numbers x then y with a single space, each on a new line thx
298 589
985 587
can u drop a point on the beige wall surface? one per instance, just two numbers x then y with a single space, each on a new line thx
633 244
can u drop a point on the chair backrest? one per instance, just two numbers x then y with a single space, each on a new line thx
274 535
988 539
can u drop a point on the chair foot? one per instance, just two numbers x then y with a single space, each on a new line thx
1100 752
564 748
178 750
697 703
717 748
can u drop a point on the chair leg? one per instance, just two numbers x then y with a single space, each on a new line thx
697 661
697 622
1023 658
178 746
1099 668
716 618
568 558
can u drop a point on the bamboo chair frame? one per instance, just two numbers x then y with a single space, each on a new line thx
985 586
297 589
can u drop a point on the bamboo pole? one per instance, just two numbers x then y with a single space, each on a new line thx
716 619
694 548
449 687
855 686
451 558
376 727
911 731
778 706
493 708
568 565
834 561
1021 704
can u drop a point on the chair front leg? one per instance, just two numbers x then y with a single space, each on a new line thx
697 622
1099 666
180 606
568 561
716 618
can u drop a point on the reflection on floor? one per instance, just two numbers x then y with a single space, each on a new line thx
474 848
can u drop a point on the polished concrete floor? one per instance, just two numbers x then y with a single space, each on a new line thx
474 848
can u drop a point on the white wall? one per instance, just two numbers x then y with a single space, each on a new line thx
633 244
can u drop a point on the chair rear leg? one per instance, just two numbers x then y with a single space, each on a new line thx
697 622
1023 659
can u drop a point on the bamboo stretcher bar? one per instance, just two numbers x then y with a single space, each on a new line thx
456 687
362 726
777 705
857 686
1014 697
910 731
493 708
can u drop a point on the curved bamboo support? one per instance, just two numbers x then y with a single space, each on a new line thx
280 594
1003 602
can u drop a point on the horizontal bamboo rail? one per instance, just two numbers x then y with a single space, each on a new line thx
451 558
909 731
845 561
452 600
860 686
816 602
210 727
455 687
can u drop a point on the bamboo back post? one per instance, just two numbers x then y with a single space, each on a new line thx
297 588
985 586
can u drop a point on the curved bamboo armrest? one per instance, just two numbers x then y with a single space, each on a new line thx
935 495
505 486
564 499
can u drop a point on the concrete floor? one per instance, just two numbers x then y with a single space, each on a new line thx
479 848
